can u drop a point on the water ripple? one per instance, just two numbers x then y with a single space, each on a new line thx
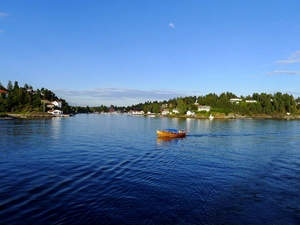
90 169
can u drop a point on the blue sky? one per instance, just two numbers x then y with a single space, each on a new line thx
122 53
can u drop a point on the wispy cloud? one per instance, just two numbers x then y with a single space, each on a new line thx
295 93
117 96
2 31
171 25
294 58
283 72
2 15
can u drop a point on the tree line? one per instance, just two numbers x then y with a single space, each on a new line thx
259 104
25 99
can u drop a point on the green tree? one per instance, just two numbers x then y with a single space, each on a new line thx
181 106
156 107
9 86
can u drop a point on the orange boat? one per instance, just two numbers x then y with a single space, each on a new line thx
172 133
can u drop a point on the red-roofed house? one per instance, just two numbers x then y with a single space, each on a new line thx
4 92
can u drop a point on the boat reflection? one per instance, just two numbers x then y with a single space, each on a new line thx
167 139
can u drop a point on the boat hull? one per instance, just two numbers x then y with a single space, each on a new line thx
170 134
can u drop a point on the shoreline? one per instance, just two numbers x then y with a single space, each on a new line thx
29 115
230 116
218 116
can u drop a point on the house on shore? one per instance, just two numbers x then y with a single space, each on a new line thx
204 108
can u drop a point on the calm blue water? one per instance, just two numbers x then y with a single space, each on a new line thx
112 169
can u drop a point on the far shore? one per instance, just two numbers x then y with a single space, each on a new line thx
232 116
7 116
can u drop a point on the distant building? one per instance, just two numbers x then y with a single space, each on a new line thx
136 112
251 101
235 100
163 106
56 103
190 113
4 92
165 112
204 108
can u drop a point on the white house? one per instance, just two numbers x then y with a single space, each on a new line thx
236 100
163 106
165 112
56 103
204 108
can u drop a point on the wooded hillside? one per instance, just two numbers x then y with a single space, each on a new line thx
24 99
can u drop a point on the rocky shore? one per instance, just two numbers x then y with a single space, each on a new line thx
30 115
36 115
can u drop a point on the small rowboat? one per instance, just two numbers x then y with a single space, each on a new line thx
173 133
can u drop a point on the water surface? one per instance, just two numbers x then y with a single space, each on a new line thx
112 169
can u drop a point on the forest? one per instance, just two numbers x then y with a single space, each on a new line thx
257 104
25 99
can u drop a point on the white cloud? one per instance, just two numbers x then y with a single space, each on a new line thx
171 25
284 72
2 15
116 96
2 31
294 58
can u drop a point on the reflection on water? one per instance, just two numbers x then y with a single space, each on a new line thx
168 139
56 127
